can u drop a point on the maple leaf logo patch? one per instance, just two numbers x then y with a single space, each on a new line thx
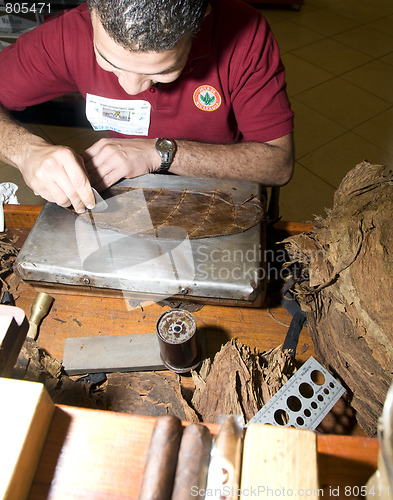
207 98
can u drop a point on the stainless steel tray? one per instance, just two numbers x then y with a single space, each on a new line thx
63 252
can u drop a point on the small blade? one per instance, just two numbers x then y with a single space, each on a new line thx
101 205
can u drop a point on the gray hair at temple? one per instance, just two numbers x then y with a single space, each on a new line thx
149 25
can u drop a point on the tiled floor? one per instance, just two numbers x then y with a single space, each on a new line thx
339 60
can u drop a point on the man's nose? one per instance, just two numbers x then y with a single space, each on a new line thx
133 83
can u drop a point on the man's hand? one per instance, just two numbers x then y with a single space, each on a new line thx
57 174
110 160
54 172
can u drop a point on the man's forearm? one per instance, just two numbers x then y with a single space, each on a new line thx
270 164
15 140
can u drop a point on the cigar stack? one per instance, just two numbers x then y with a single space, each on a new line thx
183 462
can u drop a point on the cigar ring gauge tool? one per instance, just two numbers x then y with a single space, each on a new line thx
304 400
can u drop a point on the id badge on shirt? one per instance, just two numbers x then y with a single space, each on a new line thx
122 116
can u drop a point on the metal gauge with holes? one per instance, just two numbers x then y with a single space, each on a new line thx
304 401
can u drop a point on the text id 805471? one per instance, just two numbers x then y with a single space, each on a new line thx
27 7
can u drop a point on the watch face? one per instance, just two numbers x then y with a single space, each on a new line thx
164 145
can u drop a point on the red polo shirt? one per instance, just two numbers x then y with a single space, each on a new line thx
232 88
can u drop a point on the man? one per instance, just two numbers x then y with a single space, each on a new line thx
206 78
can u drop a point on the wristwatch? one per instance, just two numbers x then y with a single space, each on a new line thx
166 149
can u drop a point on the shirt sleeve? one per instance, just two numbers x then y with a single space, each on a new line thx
259 97
33 69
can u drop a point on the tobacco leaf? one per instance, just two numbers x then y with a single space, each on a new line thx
148 393
8 253
349 258
239 381
202 214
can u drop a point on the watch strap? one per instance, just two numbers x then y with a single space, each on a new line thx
166 156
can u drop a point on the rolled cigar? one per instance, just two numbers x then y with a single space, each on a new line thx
159 473
192 463
225 463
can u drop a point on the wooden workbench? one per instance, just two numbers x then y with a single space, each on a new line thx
98 454
83 316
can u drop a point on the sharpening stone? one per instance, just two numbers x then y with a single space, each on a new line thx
112 353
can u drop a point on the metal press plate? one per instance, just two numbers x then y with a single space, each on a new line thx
64 250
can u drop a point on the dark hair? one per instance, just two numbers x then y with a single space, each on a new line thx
149 25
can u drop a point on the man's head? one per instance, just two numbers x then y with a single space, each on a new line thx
138 70
149 25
